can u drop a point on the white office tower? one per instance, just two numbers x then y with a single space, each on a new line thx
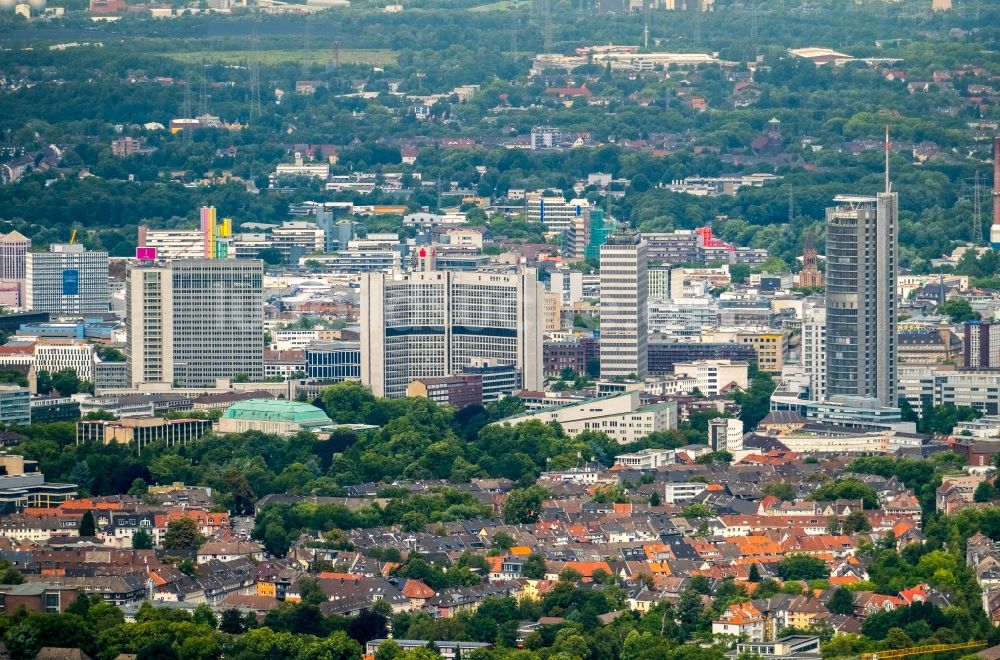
68 280
193 321
624 283
436 323
861 307
814 348
725 434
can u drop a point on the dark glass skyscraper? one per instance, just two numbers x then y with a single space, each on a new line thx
861 264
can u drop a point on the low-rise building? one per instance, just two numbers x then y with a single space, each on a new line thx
622 417
713 377
142 431
273 416
459 391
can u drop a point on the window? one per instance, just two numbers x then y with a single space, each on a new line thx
52 603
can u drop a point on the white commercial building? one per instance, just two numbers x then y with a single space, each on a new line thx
174 243
624 313
54 357
193 321
814 348
647 459
621 417
713 376
67 280
725 434
437 323
678 493
554 212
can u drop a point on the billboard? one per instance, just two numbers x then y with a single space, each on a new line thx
145 253
71 282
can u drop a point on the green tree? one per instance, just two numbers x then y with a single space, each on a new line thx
855 522
348 403
142 540
9 574
523 505
985 492
841 602
959 310
781 489
204 615
271 256
182 534
802 567
753 575
87 526
534 566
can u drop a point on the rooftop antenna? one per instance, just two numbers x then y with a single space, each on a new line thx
888 186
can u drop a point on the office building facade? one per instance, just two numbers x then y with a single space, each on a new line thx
624 286
861 297
814 348
193 321
14 248
67 280
982 345
436 323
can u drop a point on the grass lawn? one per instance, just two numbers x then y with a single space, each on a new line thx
316 55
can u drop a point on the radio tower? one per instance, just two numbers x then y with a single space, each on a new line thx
547 26
977 212
995 227
255 107
645 23
203 105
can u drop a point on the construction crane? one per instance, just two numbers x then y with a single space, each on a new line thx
72 238
920 650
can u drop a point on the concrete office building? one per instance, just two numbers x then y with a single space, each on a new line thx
15 408
659 281
624 283
334 361
436 323
297 239
193 321
861 297
67 280
814 348
54 357
982 345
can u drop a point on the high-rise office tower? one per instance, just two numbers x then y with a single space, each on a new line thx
436 323
861 258
624 286
14 248
192 321
67 280
982 345
814 348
